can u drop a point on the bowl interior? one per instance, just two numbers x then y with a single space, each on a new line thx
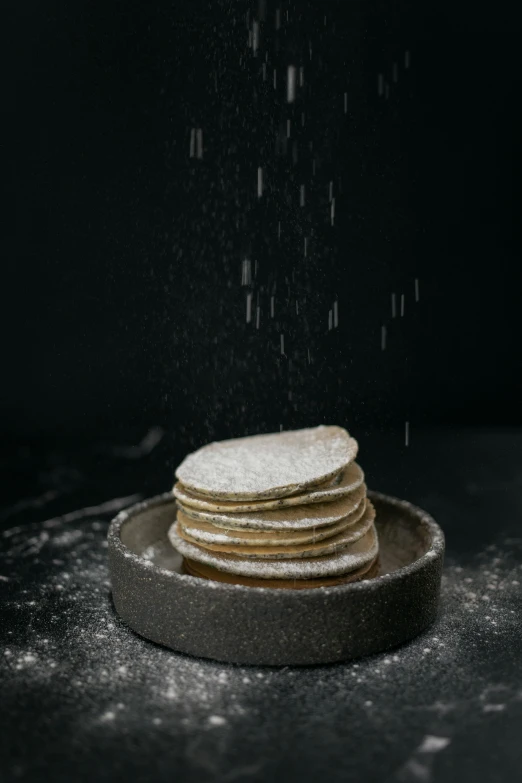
404 536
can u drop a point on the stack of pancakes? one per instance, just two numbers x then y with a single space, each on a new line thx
286 510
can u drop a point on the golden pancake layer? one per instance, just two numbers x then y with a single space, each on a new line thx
350 532
284 510
207 572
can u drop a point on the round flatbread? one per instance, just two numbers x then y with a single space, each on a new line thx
348 559
349 480
268 466
286 518
202 571
206 533
286 551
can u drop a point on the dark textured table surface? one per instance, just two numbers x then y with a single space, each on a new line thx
84 698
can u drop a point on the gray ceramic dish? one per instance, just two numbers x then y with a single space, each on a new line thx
259 625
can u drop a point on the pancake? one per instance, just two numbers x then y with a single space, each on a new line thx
286 518
262 467
344 561
335 543
206 533
202 571
351 478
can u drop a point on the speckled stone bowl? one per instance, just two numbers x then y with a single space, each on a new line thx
259 625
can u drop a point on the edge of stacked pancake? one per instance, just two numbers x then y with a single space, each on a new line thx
285 510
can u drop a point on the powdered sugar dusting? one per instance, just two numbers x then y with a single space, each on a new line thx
300 517
66 644
213 534
349 558
265 466
332 544
432 744
346 483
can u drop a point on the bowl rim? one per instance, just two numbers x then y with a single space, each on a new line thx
434 552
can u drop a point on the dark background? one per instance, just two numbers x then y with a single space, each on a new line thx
123 303
125 345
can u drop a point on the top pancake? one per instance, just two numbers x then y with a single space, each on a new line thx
262 467
347 482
